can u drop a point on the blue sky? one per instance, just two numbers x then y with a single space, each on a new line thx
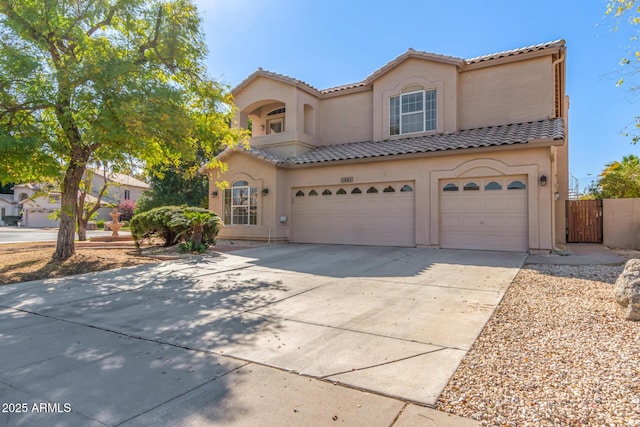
330 43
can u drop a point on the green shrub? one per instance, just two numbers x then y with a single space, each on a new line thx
100 223
175 224
11 220
191 247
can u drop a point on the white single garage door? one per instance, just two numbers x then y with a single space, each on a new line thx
484 213
39 218
364 214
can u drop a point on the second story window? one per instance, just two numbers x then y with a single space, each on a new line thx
275 121
412 112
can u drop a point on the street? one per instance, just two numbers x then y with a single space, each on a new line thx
22 234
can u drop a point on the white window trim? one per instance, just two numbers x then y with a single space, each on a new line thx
423 111
232 204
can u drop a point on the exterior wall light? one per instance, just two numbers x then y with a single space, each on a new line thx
214 193
265 191
543 180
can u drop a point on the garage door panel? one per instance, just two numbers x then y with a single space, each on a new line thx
492 217
361 219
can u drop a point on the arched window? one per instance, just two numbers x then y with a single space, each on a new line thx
341 191
516 185
471 186
326 192
389 189
406 189
356 191
450 187
313 193
372 190
300 193
241 204
493 186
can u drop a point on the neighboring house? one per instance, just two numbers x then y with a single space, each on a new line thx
121 187
429 150
8 207
38 202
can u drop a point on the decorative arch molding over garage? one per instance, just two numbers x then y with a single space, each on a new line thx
486 168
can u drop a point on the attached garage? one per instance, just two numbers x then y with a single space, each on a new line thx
363 214
487 213
39 218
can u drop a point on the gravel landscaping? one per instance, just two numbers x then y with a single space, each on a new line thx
556 352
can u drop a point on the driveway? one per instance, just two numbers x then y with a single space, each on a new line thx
281 335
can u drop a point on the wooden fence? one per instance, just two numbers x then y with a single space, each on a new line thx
584 221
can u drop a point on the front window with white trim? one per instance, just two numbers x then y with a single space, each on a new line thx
413 112
241 204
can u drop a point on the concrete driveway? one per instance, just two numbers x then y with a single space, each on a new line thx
282 335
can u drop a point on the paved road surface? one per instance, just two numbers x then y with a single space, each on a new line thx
21 234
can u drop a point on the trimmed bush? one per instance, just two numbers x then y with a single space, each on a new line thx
11 220
174 224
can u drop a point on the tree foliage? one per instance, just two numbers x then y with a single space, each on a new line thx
618 180
109 81
628 11
6 188
175 185
176 223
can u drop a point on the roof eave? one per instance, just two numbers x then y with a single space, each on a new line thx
273 76
531 144
490 62
412 54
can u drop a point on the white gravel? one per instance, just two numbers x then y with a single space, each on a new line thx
555 353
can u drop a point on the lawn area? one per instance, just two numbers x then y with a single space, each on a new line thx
22 262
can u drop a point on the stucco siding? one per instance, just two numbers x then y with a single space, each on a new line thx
508 93
621 223
425 172
346 118
429 75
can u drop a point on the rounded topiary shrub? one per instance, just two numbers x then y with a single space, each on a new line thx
176 224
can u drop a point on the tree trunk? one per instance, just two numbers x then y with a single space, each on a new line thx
82 230
196 237
66 234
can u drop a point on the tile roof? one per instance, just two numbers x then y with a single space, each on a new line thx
517 133
515 52
122 179
410 53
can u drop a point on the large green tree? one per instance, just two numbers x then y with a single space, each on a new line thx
86 81
618 180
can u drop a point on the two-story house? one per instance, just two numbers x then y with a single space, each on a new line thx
429 150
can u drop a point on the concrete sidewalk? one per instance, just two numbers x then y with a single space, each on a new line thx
287 335
580 254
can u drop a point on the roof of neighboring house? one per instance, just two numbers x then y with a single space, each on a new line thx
510 134
123 179
8 198
410 53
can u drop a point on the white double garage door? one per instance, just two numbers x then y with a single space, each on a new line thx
477 213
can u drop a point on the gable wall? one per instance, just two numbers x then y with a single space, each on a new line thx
430 75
